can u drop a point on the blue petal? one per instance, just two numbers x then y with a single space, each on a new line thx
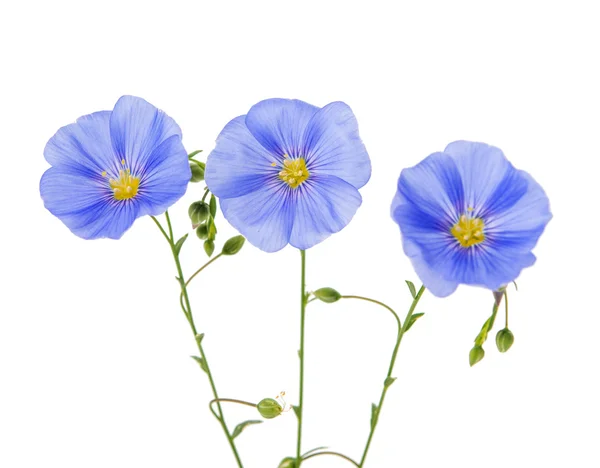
279 125
430 277
265 216
333 146
166 177
86 205
84 145
239 164
136 129
325 204
433 189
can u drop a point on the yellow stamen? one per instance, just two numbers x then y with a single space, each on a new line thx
273 164
126 186
294 171
103 173
468 231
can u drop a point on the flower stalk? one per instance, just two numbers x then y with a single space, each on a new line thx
299 409
187 310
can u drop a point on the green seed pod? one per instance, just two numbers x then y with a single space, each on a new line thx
476 355
198 212
328 295
202 231
504 340
288 462
209 247
269 408
197 169
233 245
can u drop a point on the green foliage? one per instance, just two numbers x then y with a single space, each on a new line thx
241 426
201 362
411 287
179 243
413 319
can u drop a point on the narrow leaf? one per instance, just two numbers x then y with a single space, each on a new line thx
201 362
411 286
297 411
194 153
199 338
241 426
374 415
413 319
389 381
179 243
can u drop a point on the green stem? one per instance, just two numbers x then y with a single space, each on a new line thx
332 453
401 332
300 406
506 308
187 310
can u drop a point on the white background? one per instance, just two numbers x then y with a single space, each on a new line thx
94 352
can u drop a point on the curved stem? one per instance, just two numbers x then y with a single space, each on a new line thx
300 406
187 310
401 333
202 268
227 400
312 455
378 303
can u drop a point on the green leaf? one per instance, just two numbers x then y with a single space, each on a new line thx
209 247
211 229
413 319
199 338
194 153
213 206
411 286
233 245
374 415
179 243
389 381
201 362
328 295
297 411
241 426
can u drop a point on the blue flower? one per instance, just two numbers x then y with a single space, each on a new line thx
111 167
467 216
289 172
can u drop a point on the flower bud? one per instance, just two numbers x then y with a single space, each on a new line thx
328 295
269 408
476 355
197 169
233 245
198 212
209 247
504 340
202 231
288 462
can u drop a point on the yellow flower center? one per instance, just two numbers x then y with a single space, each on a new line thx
294 171
468 231
126 186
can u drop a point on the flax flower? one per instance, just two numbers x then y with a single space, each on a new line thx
111 167
289 172
467 216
